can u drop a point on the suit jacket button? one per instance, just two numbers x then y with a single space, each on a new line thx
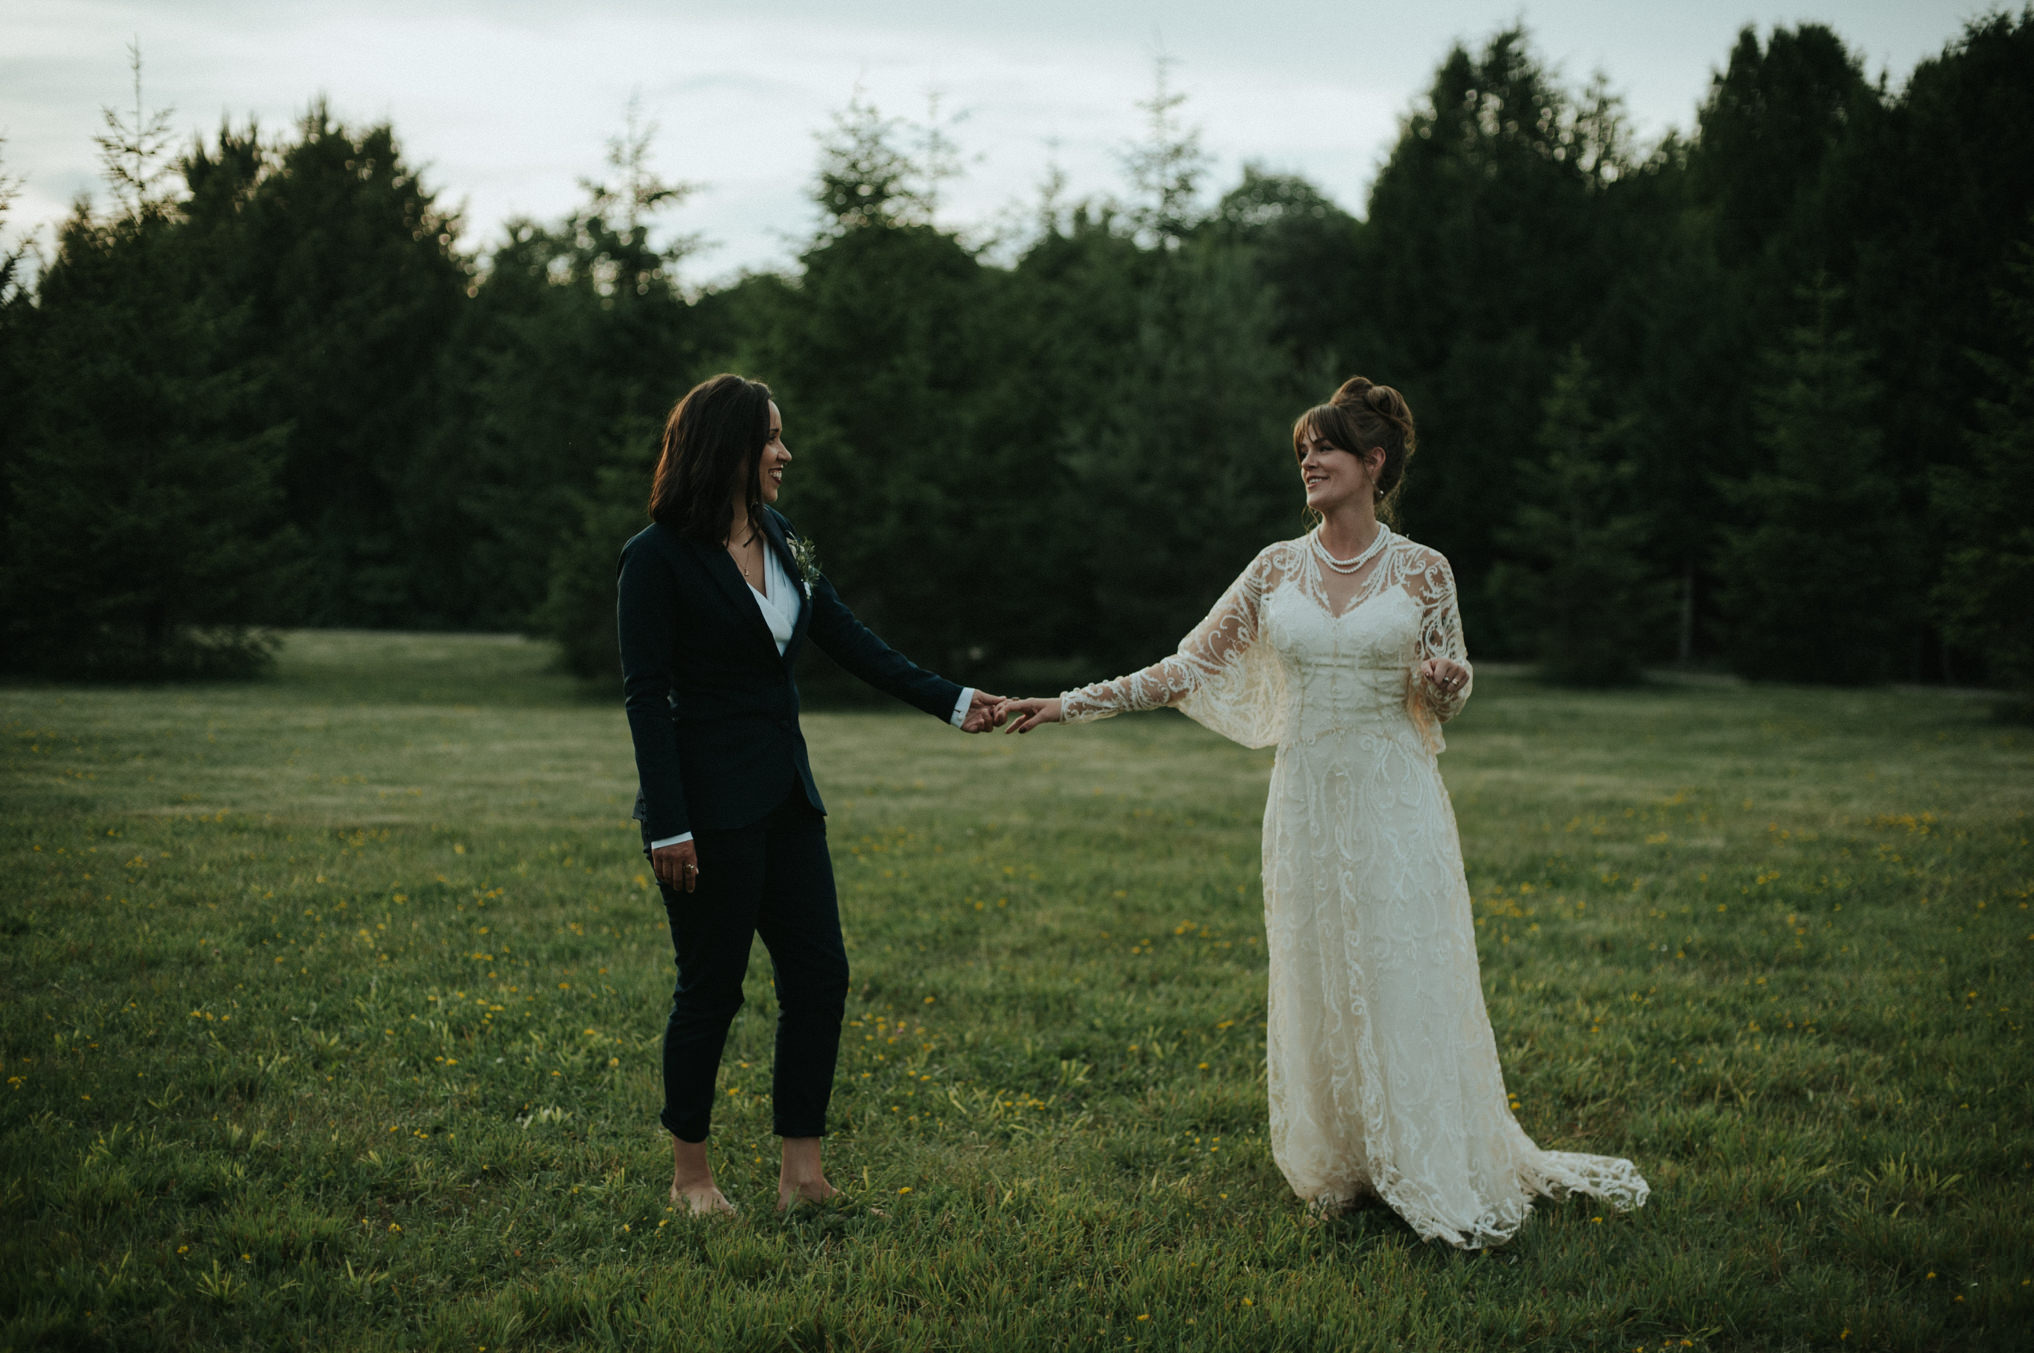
784 724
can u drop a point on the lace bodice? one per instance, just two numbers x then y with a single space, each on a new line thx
1275 661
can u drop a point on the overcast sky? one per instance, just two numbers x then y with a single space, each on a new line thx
508 103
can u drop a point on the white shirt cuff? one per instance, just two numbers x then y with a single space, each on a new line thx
678 840
960 709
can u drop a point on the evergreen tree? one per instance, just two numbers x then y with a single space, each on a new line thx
1488 248
1815 564
350 281
143 535
1051 359
1184 469
1167 166
578 610
1985 596
1921 209
1773 119
575 343
1307 250
1665 350
874 354
867 177
16 312
1582 585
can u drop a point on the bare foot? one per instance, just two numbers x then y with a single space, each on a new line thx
800 1179
692 1185
702 1200
790 1195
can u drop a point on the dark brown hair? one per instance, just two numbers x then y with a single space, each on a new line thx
713 451
1359 416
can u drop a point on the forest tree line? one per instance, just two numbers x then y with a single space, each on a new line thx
1758 397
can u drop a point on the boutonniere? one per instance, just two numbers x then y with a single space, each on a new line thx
806 560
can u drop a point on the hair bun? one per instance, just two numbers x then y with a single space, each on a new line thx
1382 400
1355 390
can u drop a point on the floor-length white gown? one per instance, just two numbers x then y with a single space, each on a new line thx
1383 1070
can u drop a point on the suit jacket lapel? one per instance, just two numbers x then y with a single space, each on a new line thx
773 531
720 566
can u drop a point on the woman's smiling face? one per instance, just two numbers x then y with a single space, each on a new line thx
1332 475
775 457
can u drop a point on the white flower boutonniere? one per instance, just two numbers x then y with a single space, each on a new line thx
807 561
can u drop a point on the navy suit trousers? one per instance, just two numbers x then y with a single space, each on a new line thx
773 879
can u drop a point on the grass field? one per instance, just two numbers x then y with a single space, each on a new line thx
329 1012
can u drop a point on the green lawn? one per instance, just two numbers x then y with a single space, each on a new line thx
329 1012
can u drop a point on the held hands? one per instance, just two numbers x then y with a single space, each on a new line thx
981 715
1028 713
988 711
677 867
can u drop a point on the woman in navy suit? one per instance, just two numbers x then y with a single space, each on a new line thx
714 609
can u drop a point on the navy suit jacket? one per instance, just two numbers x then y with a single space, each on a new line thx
713 708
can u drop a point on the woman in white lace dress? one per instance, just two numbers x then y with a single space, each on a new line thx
1344 649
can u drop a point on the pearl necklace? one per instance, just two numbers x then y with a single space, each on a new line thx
1370 551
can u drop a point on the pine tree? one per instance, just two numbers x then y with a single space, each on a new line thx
1578 584
1817 562
143 538
1167 166
1985 596
346 272
15 314
574 344
578 611
1490 241
867 176
1184 470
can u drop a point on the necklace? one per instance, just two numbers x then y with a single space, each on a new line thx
738 559
1370 551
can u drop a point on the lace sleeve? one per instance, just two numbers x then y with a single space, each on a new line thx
1221 676
1433 586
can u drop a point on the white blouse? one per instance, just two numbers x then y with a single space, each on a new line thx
779 599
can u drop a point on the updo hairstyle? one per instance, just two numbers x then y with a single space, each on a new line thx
1359 416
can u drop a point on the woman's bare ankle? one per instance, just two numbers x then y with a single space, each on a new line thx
692 1183
801 1178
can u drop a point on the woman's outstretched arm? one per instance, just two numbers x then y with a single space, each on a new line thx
1219 640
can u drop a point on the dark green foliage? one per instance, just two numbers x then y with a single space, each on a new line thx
1927 203
564 362
578 609
1815 559
348 268
143 537
1667 355
1185 469
1166 167
1583 591
15 314
1306 249
1986 592
1491 230
1773 117
874 359
865 177
1088 427
144 524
